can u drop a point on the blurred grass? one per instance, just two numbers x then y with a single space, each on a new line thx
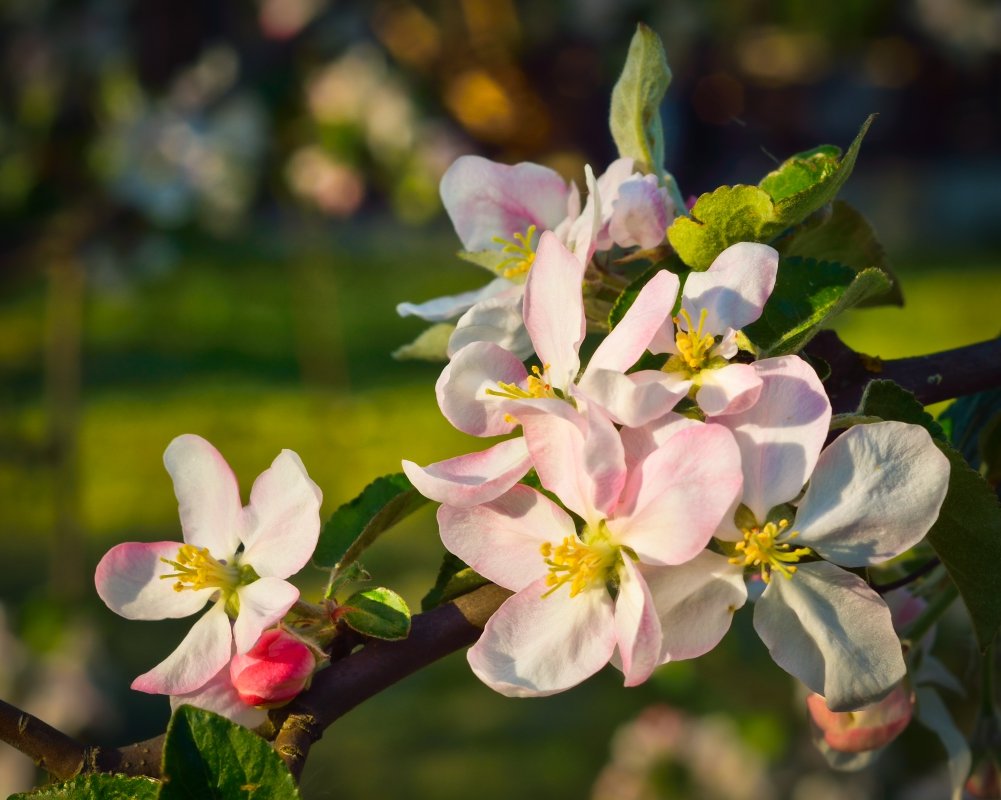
271 345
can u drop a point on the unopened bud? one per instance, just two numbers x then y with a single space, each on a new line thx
273 671
867 728
985 781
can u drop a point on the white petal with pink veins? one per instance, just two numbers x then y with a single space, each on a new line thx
219 695
262 604
734 289
464 384
728 390
441 309
637 627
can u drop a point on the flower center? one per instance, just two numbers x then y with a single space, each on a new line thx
579 563
196 568
694 346
768 548
537 386
520 254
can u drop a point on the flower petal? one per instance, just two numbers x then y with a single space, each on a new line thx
463 385
634 399
780 436
501 539
641 213
219 695
283 518
695 603
677 496
637 627
496 319
199 656
735 287
207 493
875 493
554 309
534 646
627 340
262 604
473 478
485 199
639 442
441 309
729 390
128 580
826 627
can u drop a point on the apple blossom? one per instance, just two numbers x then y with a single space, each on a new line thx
235 556
643 535
273 671
867 728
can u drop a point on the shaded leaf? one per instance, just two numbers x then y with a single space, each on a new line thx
454 578
975 430
357 523
430 345
208 757
380 613
96 787
890 400
635 113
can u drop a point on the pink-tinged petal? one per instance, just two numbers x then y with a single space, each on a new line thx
639 442
199 656
501 539
727 346
262 604
219 695
781 435
728 390
554 309
128 580
464 386
283 518
578 457
637 627
629 339
496 319
208 495
735 287
675 499
826 627
441 309
484 199
473 478
634 399
640 214
875 493
534 646
868 728
695 603
583 234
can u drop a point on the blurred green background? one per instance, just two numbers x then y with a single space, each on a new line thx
208 212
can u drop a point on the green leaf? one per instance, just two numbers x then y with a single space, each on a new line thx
380 613
635 115
731 214
845 237
454 578
96 787
975 423
357 523
890 400
967 537
808 295
430 345
208 757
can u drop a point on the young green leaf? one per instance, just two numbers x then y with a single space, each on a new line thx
454 578
208 757
357 523
731 214
96 787
380 613
431 344
635 115
808 294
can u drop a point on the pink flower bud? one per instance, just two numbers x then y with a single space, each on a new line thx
985 781
867 728
273 671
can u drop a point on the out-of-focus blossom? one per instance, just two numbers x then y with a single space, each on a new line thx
335 188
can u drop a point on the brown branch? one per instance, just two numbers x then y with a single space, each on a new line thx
58 754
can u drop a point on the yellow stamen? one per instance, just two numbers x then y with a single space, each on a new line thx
693 346
763 549
577 563
520 255
198 569
536 386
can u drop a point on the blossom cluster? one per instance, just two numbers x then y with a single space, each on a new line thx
641 495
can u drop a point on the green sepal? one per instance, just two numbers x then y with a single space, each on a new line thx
379 613
743 213
808 295
96 787
357 523
431 344
208 757
635 114
455 578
